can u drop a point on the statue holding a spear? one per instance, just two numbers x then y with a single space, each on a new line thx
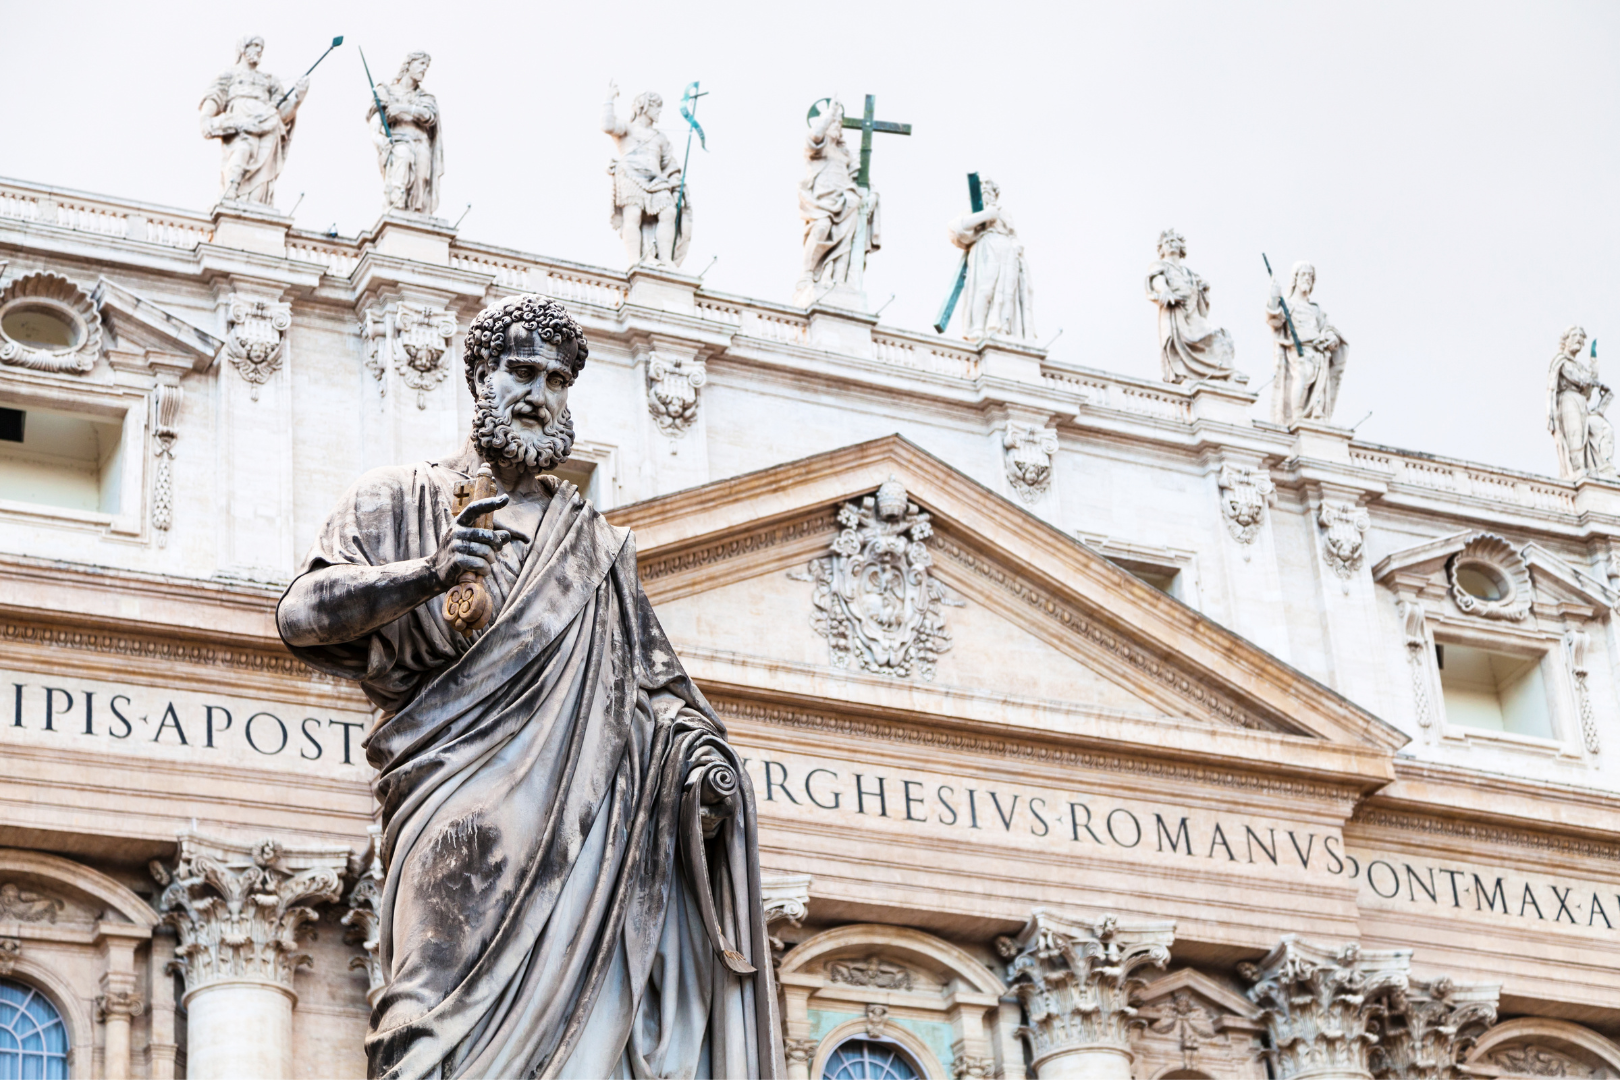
648 194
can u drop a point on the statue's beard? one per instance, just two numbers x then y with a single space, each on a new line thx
500 443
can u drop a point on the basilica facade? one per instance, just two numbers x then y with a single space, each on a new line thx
1099 726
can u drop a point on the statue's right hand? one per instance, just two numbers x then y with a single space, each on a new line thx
613 90
465 547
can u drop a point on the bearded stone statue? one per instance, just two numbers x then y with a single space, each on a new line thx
572 883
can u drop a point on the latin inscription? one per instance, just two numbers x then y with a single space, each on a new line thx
39 710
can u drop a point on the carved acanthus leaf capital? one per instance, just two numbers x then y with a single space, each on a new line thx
127 1003
1321 1005
363 916
1426 1028
1076 979
239 909
672 391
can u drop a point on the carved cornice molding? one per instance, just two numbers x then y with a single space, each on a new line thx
166 650
917 734
825 522
1486 834
1211 703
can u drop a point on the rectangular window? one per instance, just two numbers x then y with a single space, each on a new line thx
61 459
1494 691
1163 578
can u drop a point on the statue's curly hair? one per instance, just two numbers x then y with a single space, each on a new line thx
497 327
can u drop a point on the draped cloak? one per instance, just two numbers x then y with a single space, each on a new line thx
543 789
1189 348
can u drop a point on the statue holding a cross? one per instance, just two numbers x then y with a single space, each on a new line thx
839 207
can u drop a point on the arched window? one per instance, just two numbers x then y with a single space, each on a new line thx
33 1040
864 1059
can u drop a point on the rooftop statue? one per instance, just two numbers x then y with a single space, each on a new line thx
410 145
1000 301
1584 435
646 183
572 880
1189 347
1309 365
252 116
841 220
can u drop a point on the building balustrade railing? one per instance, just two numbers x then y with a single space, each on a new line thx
1537 493
83 212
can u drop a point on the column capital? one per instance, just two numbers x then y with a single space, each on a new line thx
1075 978
1321 1005
364 917
238 909
1429 1025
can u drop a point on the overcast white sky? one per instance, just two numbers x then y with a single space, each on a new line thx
1451 168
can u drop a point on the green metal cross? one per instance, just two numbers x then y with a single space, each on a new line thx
868 125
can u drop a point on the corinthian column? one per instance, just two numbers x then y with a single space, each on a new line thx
1426 1028
1323 1006
238 910
1075 981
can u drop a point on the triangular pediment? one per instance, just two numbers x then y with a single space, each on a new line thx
1044 634
139 326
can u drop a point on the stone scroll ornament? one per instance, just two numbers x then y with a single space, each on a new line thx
47 323
256 338
1344 537
1029 451
672 386
1243 500
414 340
875 601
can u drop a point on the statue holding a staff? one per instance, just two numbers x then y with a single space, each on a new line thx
646 183
248 112
409 138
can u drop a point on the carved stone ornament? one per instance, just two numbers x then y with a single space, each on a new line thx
1576 643
363 917
873 971
875 599
128 1003
165 413
1414 626
1321 1005
1076 980
1344 536
672 386
47 323
413 339
877 1021
972 1068
19 905
800 1052
1190 1022
1427 1027
239 910
1243 500
1028 457
10 952
1529 1059
1490 579
255 338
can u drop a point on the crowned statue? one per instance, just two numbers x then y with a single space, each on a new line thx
1584 435
1189 348
1000 300
252 116
1311 353
409 139
572 869
648 195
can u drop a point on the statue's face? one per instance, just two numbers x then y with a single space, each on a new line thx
1574 344
253 53
1305 281
531 386
418 69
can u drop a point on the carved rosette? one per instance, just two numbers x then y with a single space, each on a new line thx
1427 1027
59 306
1028 457
165 413
875 601
1076 980
239 911
255 338
1576 643
1243 500
1322 1006
1344 536
672 392
363 917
